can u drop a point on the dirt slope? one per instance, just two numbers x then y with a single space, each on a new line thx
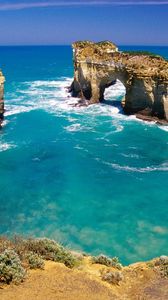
57 282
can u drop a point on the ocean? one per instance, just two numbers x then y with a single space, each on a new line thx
90 178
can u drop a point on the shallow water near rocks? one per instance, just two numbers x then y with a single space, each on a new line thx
91 178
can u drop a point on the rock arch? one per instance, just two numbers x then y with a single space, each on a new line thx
145 78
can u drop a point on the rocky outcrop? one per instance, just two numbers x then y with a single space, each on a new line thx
2 79
145 77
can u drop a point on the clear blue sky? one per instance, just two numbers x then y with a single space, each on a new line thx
30 22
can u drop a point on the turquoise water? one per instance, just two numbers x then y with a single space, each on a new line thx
91 178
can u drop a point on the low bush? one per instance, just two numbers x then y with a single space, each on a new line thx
141 52
35 261
107 261
11 269
5 244
50 250
112 277
19 254
162 264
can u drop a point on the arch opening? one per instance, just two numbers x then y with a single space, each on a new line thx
114 94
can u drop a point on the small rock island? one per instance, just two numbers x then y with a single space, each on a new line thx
144 75
2 80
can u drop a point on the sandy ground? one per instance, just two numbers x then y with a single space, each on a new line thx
56 282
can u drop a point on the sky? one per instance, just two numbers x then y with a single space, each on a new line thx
52 22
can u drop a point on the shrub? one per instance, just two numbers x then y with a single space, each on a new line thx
50 250
162 264
102 259
147 53
32 251
65 256
4 244
11 269
164 270
35 261
115 263
107 261
20 247
112 277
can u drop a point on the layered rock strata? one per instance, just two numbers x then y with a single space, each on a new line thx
145 77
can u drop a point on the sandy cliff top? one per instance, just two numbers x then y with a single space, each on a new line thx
58 282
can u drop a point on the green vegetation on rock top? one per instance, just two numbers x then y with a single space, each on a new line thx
147 53
103 44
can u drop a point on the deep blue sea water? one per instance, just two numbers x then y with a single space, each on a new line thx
91 178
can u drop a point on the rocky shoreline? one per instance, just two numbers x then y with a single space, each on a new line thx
97 66
145 77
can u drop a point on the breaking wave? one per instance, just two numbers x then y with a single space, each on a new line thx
161 167
53 96
6 146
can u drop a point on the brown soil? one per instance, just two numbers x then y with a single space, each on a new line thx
57 282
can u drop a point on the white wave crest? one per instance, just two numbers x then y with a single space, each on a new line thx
6 146
162 167
115 91
52 96
165 128
74 127
14 110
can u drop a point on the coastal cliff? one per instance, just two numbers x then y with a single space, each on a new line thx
145 77
2 80
42 269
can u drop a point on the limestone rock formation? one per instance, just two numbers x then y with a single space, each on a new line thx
145 77
2 79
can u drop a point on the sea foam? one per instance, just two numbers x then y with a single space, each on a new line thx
126 168
53 96
6 146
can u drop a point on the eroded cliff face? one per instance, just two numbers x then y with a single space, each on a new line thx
145 77
2 80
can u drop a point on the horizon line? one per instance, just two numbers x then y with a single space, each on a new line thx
48 4
54 45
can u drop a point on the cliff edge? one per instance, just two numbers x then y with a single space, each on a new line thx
144 75
41 269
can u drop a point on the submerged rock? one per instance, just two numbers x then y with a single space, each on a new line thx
145 77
